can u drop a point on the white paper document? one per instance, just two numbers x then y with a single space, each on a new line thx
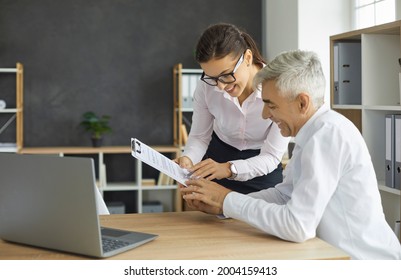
159 161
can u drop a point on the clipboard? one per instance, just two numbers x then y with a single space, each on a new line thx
158 161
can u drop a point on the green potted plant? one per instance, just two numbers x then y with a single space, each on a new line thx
97 126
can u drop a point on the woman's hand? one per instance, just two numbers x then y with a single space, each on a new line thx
184 162
210 169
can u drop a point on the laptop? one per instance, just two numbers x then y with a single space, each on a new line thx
50 202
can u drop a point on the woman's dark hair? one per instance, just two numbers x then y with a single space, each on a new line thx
222 39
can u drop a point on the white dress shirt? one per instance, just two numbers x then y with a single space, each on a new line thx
329 191
239 126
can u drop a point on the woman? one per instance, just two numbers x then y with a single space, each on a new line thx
240 150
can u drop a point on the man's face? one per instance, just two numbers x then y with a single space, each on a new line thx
284 112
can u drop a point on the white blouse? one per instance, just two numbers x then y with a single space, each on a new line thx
329 191
239 126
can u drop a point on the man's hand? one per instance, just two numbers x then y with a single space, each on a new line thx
205 195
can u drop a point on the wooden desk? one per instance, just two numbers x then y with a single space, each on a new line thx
191 235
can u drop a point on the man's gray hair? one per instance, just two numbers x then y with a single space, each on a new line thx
295 72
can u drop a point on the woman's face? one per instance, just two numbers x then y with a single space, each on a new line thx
222 69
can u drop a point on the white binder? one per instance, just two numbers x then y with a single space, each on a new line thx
185 90
193 84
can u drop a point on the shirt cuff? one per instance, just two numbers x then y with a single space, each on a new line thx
232 204
242 169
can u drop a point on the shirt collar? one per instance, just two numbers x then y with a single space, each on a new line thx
303 134
256 94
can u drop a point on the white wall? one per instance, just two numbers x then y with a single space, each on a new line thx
304 24
280 30
397 9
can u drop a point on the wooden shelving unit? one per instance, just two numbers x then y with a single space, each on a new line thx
15 112
104 186
184 82
380 95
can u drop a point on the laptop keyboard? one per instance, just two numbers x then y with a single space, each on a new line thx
112 244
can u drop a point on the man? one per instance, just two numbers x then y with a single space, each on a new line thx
329 189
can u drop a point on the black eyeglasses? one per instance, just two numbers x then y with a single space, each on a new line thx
224 78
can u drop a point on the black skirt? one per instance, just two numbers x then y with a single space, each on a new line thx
221 152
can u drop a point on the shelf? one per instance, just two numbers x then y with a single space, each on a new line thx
191 71
8 70
9 110
392 28
158 187
129 186
348 107
120 186
91 150
384 188
187 109
76 150
367 107
8 149
383 108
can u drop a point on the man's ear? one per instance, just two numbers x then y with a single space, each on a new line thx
304 102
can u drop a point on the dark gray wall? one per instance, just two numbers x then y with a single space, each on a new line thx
113 57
